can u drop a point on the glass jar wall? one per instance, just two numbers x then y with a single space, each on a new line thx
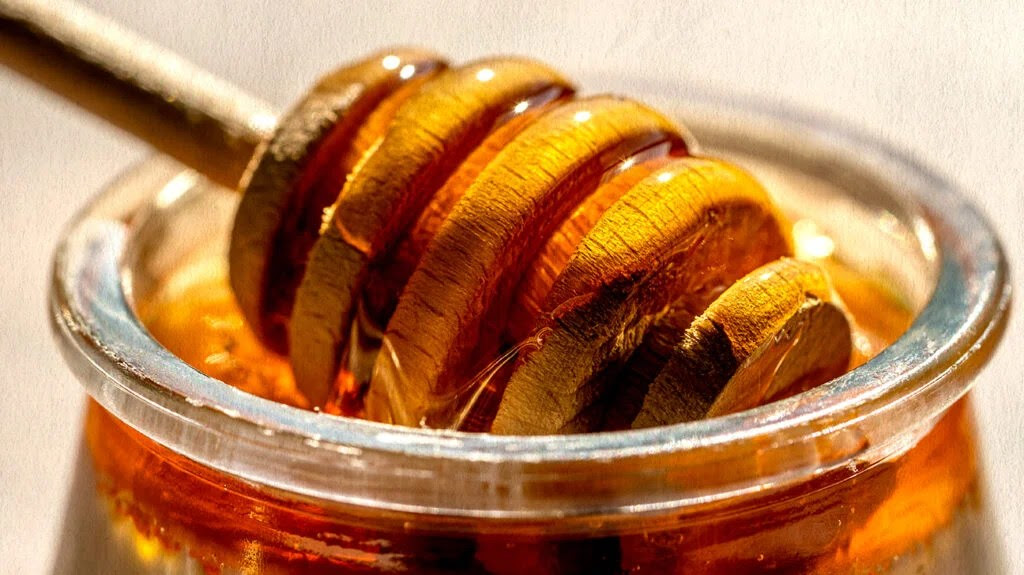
876 471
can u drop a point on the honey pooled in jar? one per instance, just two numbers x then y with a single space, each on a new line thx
194 315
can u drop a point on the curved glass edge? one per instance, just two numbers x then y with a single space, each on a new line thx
862 417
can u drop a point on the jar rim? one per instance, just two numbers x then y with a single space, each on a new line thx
328 458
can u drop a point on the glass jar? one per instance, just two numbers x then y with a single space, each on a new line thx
875 471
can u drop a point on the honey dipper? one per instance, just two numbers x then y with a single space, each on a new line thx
449 214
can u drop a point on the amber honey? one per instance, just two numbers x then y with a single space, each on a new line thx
908 515
905 514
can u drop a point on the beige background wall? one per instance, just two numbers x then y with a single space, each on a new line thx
943 79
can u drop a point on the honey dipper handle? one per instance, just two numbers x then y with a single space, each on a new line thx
148 91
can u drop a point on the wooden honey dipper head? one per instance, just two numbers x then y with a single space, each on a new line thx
411 221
